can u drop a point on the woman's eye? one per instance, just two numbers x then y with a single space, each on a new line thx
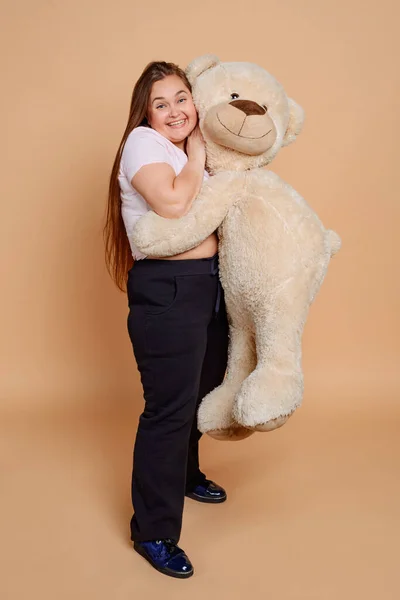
181 99
234 96
160 105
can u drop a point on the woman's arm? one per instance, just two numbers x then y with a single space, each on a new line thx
171 195
155 236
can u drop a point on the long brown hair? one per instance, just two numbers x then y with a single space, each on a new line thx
118 253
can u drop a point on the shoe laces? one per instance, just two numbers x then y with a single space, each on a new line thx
166 548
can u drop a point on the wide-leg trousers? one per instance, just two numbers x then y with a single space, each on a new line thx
178 328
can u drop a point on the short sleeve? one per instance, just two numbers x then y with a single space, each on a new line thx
142 148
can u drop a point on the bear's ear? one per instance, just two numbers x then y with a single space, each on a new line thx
199 65
296 121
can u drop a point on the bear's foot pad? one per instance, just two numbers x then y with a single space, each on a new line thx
233 434
273 424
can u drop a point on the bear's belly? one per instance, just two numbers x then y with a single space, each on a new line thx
265 243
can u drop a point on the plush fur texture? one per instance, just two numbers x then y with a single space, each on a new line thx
273 249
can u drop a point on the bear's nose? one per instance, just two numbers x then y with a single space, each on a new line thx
248 107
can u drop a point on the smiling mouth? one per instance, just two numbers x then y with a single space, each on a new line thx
245 137
177 123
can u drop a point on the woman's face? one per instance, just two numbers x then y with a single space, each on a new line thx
171 111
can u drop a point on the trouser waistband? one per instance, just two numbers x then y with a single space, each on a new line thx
193 266
172 268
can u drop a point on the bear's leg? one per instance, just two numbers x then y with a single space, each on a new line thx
215 412
274 389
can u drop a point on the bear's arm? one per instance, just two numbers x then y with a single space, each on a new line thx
157 236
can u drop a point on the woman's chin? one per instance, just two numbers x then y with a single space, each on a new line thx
178 137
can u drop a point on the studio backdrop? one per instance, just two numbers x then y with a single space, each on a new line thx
67 77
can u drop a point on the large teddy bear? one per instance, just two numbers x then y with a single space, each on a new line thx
273 249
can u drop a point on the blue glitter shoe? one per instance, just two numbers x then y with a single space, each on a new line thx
166 557
208 492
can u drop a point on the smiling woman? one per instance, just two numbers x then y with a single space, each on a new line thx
177 319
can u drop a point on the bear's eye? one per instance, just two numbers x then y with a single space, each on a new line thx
234 96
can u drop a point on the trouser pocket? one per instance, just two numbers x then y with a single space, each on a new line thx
174 325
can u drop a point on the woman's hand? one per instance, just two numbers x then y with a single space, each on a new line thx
195 147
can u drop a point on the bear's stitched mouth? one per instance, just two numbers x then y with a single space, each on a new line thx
243 136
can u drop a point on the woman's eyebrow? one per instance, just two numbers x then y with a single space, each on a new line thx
162 98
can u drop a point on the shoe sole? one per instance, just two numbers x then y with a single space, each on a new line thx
206 500
167 571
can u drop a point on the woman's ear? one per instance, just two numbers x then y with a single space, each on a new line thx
296 122
199 65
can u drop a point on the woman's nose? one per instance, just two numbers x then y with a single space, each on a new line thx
173 111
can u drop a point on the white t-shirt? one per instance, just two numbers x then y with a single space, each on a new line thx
144 146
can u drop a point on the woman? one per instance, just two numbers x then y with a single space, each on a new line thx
177 320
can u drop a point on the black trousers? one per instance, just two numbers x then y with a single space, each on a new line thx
178 327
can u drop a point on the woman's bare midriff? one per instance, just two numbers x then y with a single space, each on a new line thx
204 250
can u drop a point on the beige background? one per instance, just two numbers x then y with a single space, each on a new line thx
313 509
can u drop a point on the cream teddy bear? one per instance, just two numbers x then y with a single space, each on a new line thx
273 249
